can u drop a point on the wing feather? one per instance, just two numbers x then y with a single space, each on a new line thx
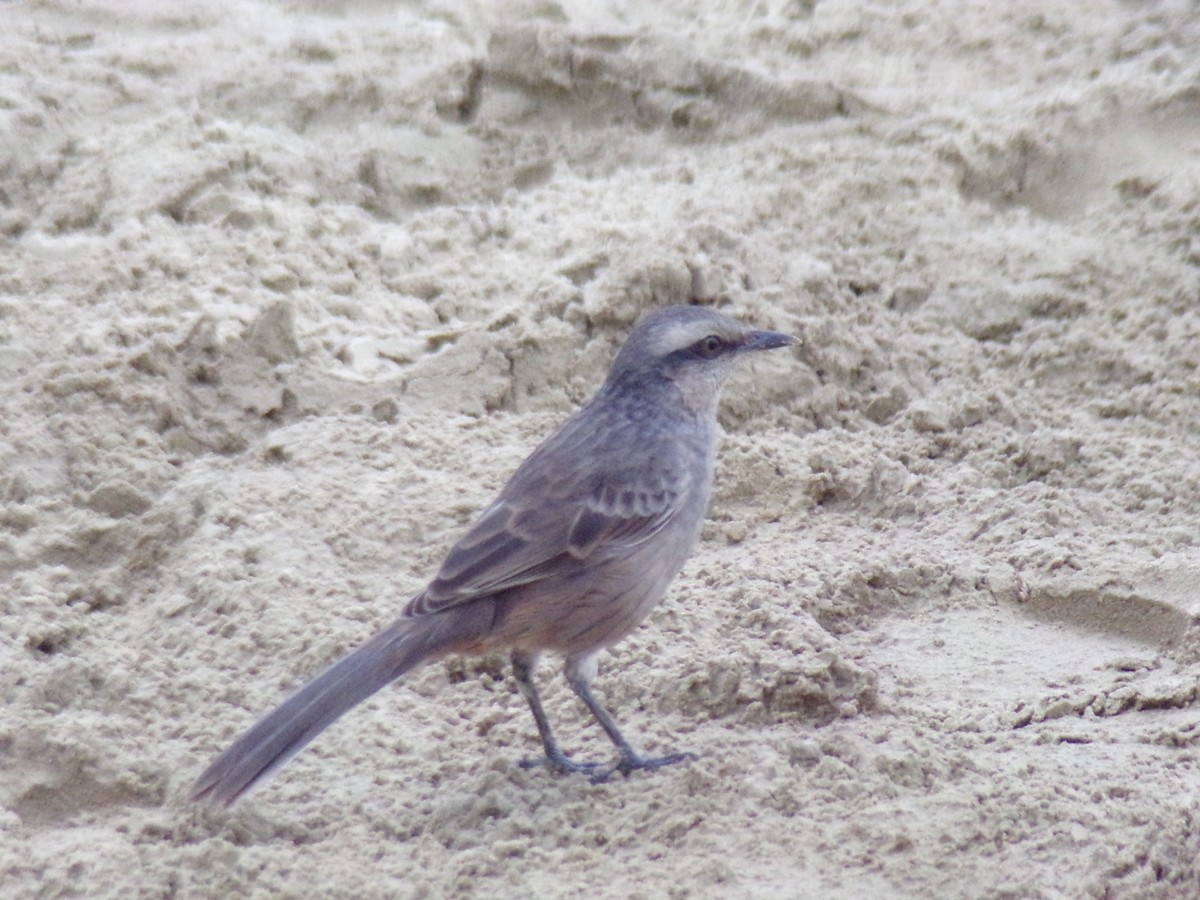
554 512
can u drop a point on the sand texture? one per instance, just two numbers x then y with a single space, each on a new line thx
287 290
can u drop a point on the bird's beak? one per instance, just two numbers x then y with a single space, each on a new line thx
766 340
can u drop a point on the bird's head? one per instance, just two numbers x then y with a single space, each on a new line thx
694 347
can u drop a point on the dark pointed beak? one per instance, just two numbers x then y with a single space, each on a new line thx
766 340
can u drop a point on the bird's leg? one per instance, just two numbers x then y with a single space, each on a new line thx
523 665
630 760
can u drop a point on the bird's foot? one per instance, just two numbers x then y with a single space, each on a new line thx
561 763
632 762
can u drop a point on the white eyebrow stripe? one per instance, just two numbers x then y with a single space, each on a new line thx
684 334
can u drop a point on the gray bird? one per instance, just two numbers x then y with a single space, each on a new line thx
574 553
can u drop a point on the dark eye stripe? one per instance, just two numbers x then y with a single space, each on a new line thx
708 347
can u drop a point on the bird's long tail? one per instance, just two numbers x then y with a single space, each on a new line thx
283 732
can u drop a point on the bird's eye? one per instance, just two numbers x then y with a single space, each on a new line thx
710 346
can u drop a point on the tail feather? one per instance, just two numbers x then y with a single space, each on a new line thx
283 732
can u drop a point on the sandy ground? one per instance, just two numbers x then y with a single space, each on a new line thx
288 290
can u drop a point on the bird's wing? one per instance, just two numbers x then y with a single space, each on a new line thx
534 529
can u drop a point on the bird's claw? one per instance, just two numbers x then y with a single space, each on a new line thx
560 763
632 762
598 773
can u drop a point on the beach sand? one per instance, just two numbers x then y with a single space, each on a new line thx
287 290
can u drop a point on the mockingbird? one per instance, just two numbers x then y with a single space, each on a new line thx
574 553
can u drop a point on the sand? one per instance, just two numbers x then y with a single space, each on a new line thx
287 291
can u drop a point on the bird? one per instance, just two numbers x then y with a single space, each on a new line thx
575 551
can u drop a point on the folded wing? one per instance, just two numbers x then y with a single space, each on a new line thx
519 541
